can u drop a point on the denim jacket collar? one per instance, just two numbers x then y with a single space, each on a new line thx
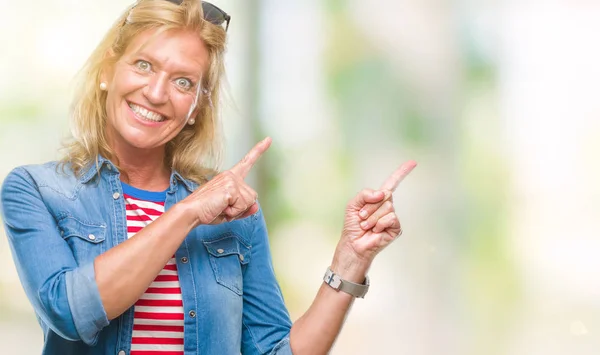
101 162
189 184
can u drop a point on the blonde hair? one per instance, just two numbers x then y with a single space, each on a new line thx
196 151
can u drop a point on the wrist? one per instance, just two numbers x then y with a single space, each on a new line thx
340 284
350 267
186 214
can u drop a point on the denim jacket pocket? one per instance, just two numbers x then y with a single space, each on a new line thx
85 239
228 254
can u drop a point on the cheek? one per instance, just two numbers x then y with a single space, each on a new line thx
114 92
111 109
126 80
174 130
177 125
182 106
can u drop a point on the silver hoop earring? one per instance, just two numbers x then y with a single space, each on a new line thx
191 121
103 86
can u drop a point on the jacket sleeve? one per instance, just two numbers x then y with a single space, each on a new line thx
266 321
63 294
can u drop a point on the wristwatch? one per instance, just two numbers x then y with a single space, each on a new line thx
339 284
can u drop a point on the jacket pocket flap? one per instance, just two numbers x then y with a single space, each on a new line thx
71 227
228 245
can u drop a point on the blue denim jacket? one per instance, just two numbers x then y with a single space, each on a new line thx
231 299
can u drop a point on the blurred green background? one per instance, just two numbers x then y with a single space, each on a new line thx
496 100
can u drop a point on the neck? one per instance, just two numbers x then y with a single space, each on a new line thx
144 169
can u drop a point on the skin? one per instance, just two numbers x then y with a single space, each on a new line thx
154 73
316 331
124 272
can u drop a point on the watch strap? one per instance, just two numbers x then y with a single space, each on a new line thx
336 282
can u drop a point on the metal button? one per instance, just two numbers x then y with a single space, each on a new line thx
62 233
241 257
92 237
122 352
184 260
116 195
192 314
220 251
109 167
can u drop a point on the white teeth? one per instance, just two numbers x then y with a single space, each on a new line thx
145 114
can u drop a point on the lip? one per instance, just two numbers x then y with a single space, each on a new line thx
142 121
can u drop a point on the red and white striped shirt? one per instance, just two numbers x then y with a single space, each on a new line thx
158 314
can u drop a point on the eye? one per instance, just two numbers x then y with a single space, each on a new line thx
184 83
143 65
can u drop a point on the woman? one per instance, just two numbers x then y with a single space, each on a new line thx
198 279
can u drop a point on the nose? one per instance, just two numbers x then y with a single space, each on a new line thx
157 89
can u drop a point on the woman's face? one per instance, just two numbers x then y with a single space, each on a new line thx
151 89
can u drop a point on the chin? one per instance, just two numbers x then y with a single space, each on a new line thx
140 140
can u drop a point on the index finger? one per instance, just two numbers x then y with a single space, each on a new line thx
243 166
397 176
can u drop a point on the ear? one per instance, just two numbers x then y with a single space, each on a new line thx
194 115
202 98
106 73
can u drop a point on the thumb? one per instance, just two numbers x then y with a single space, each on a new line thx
367 196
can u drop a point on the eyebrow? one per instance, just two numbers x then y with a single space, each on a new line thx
182 71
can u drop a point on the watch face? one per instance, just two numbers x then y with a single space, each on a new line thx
351 288
336 282
332 279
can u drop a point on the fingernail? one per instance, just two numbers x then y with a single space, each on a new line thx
364 225
363 213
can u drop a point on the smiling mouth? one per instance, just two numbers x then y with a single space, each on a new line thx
145 114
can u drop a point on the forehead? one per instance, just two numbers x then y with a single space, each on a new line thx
174 50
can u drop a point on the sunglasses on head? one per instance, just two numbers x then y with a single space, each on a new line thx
212 13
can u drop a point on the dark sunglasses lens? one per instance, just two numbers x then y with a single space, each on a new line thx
213 14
